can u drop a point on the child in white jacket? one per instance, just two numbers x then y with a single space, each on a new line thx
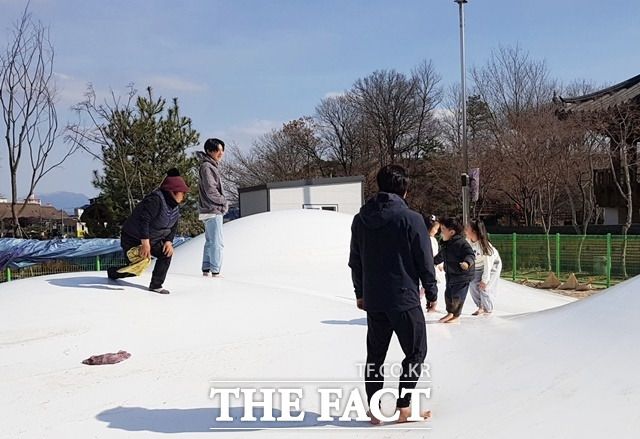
433 224
484 286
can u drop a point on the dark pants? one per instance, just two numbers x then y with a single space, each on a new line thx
411 330
454 297
160 269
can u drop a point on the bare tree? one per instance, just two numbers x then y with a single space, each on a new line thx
451 119
511 82
387 117
483 151
428 95
290 153
28 97
580 87
341 128
517 92
387 101
611 127
93 131
350 145
549 192
578 159
620 124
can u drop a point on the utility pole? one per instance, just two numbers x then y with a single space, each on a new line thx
465 154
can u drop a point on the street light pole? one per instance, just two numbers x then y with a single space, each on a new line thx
465 154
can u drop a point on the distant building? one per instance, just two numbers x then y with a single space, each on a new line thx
341 194
81 227
35 218
33 200
625 95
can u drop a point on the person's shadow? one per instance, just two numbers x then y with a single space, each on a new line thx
204 420
94 282
361 321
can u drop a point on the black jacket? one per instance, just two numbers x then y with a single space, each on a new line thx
154 218
452 253
390 254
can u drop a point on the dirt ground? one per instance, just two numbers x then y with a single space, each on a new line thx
578 294
571 293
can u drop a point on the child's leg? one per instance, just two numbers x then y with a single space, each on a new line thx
458 296
448 300
446 318
449 304
474 288
487 300
489 294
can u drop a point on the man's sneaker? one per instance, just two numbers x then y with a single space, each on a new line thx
159 290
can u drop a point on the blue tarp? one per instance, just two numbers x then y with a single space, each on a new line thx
19 253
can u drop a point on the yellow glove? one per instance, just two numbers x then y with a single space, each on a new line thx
138 264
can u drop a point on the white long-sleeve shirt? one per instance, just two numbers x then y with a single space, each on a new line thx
484 262
434 246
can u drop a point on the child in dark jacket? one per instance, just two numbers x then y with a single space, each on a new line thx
459 261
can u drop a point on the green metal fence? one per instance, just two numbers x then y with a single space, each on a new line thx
596 259
97 263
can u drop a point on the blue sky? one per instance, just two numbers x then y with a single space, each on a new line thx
242 67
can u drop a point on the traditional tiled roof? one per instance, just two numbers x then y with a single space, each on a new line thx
34 211
624 92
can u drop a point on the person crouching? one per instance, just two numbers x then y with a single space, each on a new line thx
152 226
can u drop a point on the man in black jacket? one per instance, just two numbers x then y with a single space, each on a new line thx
152 225
390 254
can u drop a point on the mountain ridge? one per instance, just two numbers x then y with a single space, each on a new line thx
63 200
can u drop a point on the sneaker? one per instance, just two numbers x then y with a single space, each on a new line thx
159 290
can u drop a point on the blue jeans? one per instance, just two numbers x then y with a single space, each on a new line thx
212 254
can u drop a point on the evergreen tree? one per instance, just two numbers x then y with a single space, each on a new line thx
139 143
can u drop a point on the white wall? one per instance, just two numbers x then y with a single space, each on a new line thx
611 216
347 197
253 202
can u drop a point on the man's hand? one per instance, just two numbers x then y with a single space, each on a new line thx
431 306
360 303
145 249
483 286
464 265
167 248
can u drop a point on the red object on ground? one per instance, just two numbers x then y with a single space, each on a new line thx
109 358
